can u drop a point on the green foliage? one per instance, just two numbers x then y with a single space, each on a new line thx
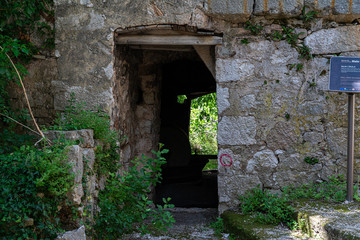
16 50
219 229
211 165
333 190
268 208
77 116
218 226
311 160
33 185
278 36
254 28
124 202
304 52
245 41
203 124
287 116
308 16
312 84
19 19
297 66
290 36
181 98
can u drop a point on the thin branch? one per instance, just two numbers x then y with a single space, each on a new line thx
20 124
26 97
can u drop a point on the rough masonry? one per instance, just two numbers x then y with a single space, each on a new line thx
273 104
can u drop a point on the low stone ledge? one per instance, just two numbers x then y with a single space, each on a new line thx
85 137
317 220
330 220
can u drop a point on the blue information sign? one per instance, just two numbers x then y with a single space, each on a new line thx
345 74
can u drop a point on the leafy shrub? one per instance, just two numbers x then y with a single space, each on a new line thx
268 208
33 185
333 190
77 116
124 202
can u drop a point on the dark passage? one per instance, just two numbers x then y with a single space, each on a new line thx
183 178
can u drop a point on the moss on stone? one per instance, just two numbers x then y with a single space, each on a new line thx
242 226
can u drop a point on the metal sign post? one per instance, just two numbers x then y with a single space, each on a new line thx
350 149
345 77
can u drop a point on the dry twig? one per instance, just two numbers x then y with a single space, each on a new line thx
26 98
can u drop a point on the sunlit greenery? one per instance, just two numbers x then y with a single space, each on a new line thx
203 124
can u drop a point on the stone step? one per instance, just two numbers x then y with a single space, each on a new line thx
317 220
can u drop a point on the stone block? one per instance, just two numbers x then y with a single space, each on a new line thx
262 162
83 137
355 7
231 6
222 95
278 7
230 189
75 158
233 70
337 140
236 10
281 136
89 157
313 137
341 7
237 131
334 40
77 234
321 4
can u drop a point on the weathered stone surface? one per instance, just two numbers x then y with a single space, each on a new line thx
78 234
83 137
233 70
237 131
287 8
234 10
75 158
223 99
330 221
263 162
281 136
337 139
334 40
256 85
313 137
228 195
89 157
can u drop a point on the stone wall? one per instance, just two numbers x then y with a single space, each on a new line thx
271 116
82 158
39 90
